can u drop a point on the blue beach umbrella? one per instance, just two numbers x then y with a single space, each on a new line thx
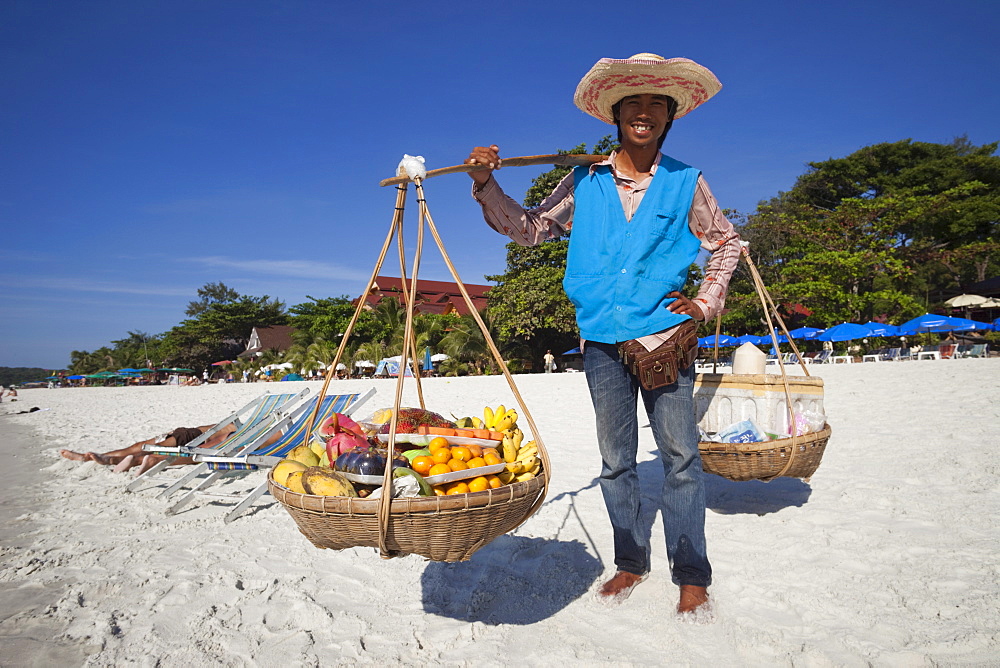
805 333
573 351
930 322
724 341
881 329
77 377
750 338
996 325
845 331
428 364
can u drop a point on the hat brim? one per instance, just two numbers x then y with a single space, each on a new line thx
610 80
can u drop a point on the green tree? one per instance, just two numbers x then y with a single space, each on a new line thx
209 294
221 331
327 319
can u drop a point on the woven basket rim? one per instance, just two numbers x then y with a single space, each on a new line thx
343 505
765 446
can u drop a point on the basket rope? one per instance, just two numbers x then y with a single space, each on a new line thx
409 352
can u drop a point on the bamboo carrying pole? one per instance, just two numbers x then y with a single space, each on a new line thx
564 159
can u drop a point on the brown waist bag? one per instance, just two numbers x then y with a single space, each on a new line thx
659 367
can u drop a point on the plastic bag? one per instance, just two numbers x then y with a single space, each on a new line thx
745 431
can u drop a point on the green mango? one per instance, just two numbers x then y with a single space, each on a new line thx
413 454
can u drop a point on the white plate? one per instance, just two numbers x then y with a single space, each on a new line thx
425 439
433 479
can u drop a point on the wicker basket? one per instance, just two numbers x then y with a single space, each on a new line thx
440 528
765 461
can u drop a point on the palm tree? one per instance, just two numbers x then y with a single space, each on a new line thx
465 342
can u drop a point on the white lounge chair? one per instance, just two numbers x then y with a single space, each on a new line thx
249 420
258 455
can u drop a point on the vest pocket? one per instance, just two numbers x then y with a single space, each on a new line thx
663 224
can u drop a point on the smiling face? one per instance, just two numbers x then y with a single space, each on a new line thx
643 119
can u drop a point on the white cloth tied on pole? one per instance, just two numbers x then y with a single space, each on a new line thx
412 166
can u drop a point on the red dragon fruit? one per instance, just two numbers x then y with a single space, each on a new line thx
342 434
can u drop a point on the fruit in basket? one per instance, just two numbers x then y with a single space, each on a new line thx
416 452
476 462
457 488
438 442
283 468
439 469
422 464
324 482
367 461
491 459
441 455
294 482
341 436
458 465
411 418
461 452
302 453
479 484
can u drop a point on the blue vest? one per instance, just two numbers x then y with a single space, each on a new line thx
619 272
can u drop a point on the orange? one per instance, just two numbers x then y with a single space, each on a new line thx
475 449
491 458
494 481
438 442
480 484
458 465
441 455
439 490
461 452
476 462
422 464
457 488
438 469
489 451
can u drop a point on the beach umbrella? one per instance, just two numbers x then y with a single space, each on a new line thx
845 331
992 302
128 370
364 364
724 341
439 357
292 376
965 300
882 329
222 363
428 364
177 370
750 338
77 377
967 325
996 325
573 351
930 322
805 333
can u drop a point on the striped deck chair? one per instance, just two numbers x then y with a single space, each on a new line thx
257 457
250 420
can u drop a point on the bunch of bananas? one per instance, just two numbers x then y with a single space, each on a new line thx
522 460
500 419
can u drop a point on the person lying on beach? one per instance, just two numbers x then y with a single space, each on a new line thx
135 456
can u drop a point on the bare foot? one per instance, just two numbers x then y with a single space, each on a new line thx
125 464
99 458
618 588
148 462
693 599
75 456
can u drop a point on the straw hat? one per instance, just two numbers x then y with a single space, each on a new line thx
611 79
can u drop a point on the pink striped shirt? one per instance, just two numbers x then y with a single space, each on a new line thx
554 217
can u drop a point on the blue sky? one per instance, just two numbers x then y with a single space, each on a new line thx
149 147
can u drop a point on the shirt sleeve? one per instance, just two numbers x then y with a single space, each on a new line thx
719 238
527 227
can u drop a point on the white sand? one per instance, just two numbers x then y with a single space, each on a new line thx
887 557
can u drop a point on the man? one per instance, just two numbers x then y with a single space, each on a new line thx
638 221
550 361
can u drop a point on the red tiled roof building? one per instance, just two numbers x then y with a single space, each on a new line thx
432 296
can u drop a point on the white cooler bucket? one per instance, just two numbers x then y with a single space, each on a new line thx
724 399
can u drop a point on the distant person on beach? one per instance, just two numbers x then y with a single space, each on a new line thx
639 219
550 362
135 456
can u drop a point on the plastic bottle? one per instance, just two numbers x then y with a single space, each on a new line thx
749 359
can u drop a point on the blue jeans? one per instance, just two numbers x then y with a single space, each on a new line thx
614 391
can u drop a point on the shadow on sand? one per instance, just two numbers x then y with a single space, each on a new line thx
513 580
